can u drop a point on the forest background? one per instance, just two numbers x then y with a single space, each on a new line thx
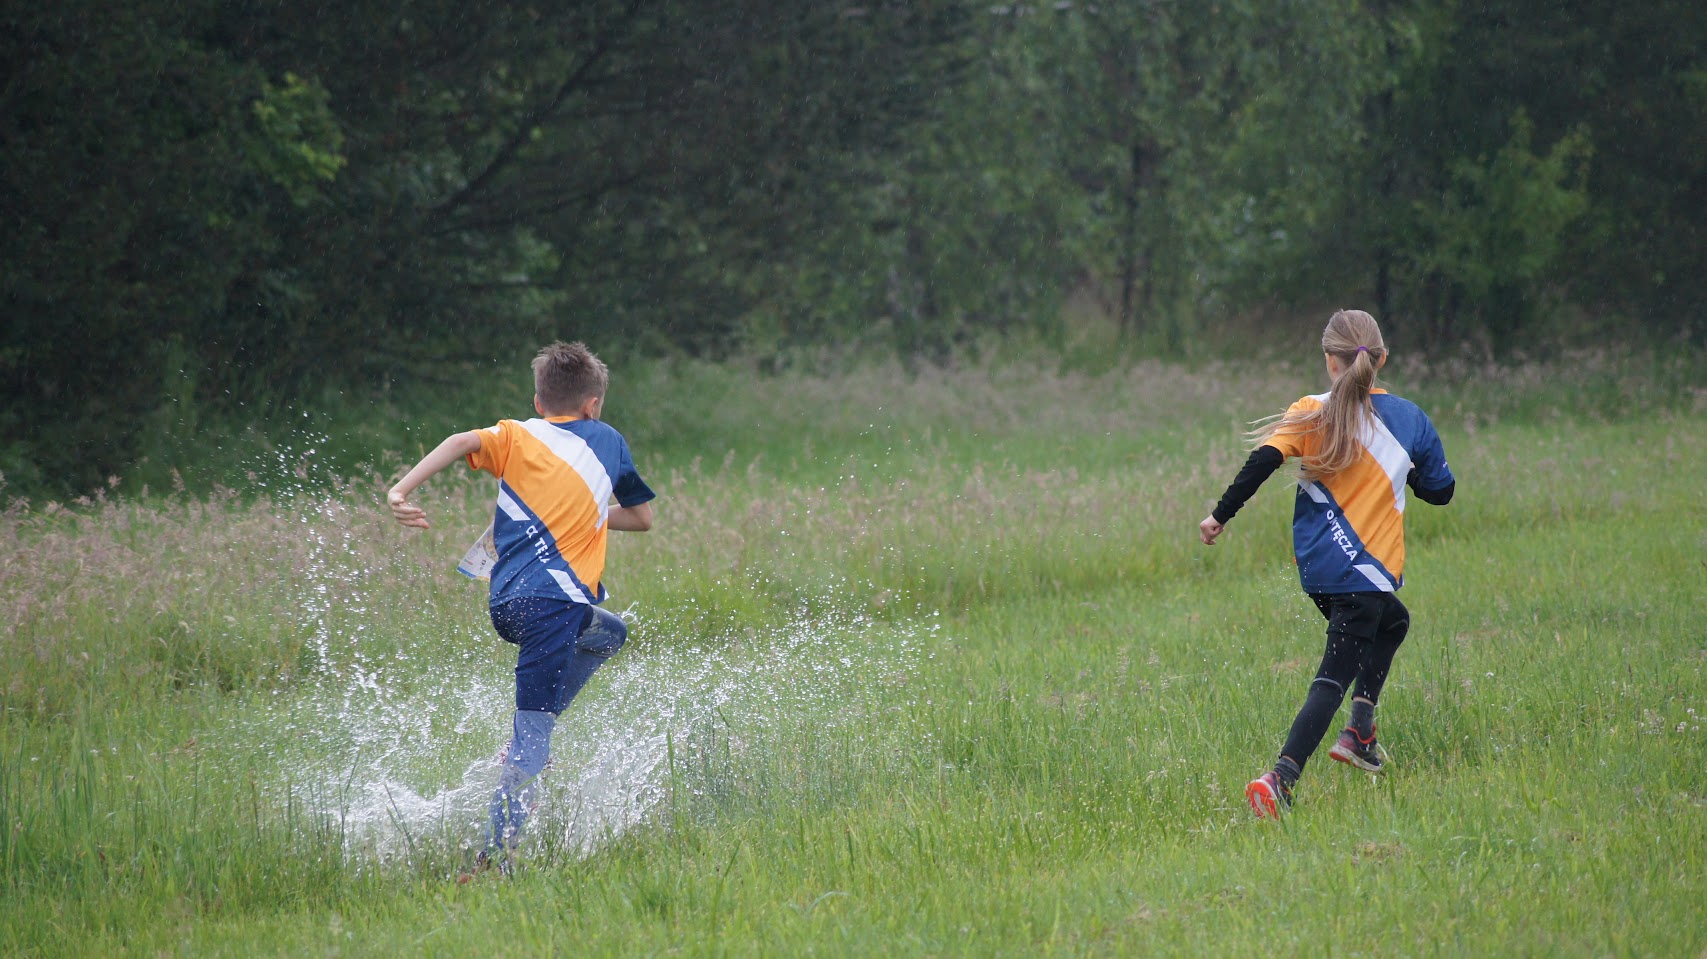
215 212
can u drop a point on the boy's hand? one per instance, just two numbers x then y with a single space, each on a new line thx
1209 529
404 511
455 447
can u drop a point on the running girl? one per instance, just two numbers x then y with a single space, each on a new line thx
1359 447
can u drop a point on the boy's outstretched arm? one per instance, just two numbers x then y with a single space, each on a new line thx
455 447
631 519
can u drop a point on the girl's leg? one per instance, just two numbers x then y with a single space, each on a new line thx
1271 793
1378 653
1352 621
1376 661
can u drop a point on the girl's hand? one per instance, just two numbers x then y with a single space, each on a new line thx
404 511
1209 529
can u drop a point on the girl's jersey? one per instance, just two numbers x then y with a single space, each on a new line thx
1348 531
556 478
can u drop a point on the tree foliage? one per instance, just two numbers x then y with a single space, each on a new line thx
212 204
212 200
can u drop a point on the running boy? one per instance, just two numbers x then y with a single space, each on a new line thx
1360 447
556 478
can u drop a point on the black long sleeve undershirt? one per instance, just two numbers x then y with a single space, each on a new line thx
1262 463
1433 497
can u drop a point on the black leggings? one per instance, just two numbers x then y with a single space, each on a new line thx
1364 631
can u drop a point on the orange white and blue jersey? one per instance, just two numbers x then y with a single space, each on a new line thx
1348 529
556 479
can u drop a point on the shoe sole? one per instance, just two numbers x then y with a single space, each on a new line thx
1262 799
1341 754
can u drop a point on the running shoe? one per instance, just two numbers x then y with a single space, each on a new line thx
484 864
1365 754
1268 796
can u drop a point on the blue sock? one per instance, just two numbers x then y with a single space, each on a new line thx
530 747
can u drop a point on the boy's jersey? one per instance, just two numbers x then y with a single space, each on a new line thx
556 478
1348 531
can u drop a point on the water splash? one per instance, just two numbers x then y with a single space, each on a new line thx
663 714
395 738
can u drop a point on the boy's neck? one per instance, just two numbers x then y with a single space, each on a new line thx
588 410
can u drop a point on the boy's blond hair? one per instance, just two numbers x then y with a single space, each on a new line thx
1354 338
565 375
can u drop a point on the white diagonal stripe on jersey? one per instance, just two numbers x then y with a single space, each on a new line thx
569 587
1313 491
1375 576
1390 453
574 451
508 504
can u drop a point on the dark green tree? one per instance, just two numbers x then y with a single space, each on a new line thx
213 203
1525 156
1197 138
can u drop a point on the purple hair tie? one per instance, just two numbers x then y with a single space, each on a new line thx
1363 349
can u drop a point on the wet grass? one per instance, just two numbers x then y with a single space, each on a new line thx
935 667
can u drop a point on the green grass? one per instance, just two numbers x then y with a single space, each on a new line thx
925 666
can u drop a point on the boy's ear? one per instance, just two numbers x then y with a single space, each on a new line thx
537 406
591 408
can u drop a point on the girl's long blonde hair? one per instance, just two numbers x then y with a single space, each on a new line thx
1354 338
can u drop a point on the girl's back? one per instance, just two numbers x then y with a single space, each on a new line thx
1348 525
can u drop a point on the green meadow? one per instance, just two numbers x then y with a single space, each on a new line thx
923 663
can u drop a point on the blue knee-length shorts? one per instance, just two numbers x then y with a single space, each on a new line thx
561 645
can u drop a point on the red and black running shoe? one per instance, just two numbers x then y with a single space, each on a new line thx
1353 750
1268 796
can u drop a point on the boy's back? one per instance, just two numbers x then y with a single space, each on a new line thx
556 477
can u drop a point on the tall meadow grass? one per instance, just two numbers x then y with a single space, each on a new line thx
922 664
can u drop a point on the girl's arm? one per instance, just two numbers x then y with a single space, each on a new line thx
1433 497
455 447
1263 461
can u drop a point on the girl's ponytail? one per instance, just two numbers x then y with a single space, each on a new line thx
1353 338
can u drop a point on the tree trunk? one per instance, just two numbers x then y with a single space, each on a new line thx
1137 289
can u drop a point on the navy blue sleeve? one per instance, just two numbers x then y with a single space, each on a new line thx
1430 476
629 488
